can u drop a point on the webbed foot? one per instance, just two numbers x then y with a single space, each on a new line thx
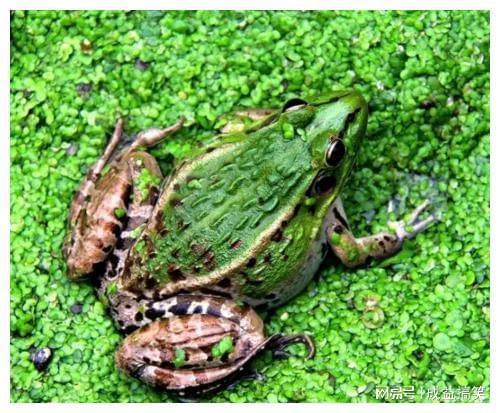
278 342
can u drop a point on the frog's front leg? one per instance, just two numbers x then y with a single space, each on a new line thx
354 251
200 344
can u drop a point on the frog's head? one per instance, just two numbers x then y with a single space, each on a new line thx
334 130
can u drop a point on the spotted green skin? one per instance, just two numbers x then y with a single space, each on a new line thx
242 213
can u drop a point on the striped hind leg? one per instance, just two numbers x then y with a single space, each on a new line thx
107 203
120 202
88 184
152 136
194 344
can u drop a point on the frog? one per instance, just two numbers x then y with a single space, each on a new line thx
187 263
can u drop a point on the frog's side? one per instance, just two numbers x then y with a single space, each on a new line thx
245 222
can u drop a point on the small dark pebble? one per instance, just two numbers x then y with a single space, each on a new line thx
41 357
141 65
76 308
27 93
83 88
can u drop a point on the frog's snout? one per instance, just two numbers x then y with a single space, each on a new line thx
355 114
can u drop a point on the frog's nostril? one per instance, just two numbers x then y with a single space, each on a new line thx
353 121
352 116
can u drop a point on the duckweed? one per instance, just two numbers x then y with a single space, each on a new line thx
180 357
223 347
425 75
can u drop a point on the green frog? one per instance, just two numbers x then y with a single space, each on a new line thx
241 225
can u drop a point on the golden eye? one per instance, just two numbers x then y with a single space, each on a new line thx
335 153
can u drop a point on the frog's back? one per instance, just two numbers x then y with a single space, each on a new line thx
217 212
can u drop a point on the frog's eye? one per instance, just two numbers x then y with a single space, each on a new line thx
294 104
335 153
324 183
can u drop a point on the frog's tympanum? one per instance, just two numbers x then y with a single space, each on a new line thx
241 225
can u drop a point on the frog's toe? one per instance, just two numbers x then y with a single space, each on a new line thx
418 210
246 374
414 225
279 342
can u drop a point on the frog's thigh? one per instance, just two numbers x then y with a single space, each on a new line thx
199 342
88 184
95 230
144 185
146 178
354 251
116 197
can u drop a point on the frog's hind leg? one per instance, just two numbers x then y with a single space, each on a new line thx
123 196
354 251
145 178
83 246
152 136
93 174
195 344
